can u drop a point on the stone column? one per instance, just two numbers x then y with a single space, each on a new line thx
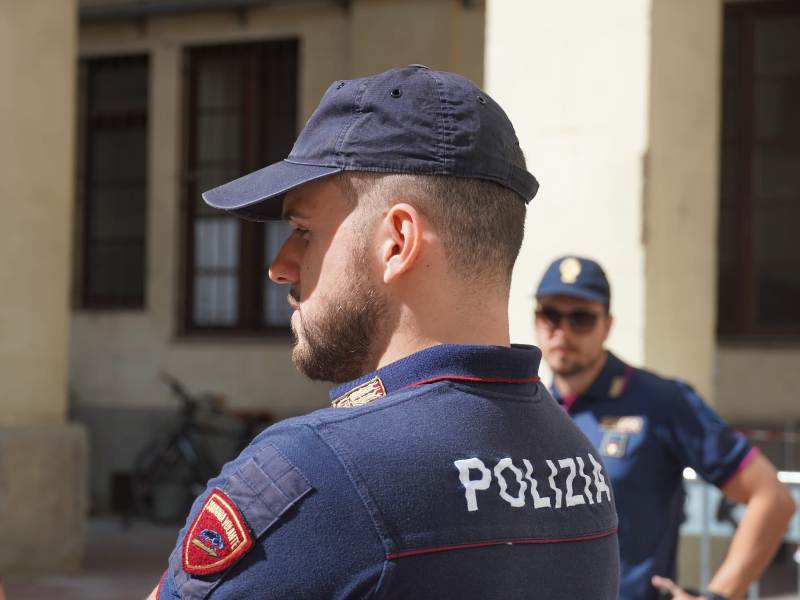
42 457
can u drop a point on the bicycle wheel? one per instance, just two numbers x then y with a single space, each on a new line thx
165 484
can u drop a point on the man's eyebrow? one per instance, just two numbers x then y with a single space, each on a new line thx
293 214
292 211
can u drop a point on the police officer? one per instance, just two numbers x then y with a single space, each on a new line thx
648 429
406 193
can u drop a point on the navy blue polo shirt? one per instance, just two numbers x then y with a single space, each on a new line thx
448 474
648 429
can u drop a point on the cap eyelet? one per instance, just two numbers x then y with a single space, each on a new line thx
340 85
481 99
396 93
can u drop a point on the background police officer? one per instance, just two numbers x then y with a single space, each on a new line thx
648 429
406 194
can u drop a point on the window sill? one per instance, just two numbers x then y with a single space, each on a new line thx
232 336
759 340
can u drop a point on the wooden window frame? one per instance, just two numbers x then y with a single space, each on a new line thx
256 153
88 122
746 326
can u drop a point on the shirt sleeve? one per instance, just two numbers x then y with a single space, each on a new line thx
312 536
700 439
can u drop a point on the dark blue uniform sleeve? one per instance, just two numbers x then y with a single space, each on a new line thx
700 439
312 536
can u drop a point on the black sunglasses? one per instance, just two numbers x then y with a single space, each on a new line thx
579 321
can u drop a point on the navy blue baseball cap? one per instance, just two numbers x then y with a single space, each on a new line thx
411 120
577 277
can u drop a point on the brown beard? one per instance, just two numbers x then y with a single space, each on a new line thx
571 370
577 367
339 344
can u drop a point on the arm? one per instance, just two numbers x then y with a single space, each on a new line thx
769 509
299 523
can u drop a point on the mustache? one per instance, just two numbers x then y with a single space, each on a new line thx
563 347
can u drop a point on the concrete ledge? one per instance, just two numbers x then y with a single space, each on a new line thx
43 497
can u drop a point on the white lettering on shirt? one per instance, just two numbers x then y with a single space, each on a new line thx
471 486
538 502
572 498
519 501
552 480
475 476
599 480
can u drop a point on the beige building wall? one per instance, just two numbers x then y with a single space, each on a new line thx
387 33
681 200
37 43
42 458
573 78
759 384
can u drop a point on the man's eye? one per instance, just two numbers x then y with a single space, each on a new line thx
303 233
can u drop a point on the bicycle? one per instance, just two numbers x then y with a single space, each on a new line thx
169 473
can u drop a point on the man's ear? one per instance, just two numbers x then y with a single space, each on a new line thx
400 242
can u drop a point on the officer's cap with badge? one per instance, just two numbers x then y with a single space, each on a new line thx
412 120
576 277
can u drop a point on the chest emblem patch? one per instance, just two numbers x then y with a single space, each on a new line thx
628 424
363 394
217 538
614 444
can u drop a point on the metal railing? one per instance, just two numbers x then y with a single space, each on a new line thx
702 498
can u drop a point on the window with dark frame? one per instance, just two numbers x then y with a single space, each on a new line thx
242 115
113 175
759 257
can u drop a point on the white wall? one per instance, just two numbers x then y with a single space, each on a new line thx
573 77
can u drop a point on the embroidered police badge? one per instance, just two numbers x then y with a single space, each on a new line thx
614 444
624 424
569 268
217 538
363 394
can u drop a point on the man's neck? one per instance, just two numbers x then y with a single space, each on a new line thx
579 383
417 331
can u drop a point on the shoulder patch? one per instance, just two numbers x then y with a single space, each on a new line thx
217 538
250 499
363 394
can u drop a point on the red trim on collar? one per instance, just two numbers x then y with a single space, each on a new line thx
627 376
568 401
510 542
470 378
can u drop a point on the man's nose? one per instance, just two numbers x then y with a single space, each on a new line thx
285 269
560 332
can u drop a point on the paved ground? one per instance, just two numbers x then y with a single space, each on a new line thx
125 563
122 563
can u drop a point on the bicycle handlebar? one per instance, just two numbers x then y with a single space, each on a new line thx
191 401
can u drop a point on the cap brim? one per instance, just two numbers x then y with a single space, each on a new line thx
573 292
258 196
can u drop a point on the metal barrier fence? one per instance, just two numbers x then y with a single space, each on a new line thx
702 500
